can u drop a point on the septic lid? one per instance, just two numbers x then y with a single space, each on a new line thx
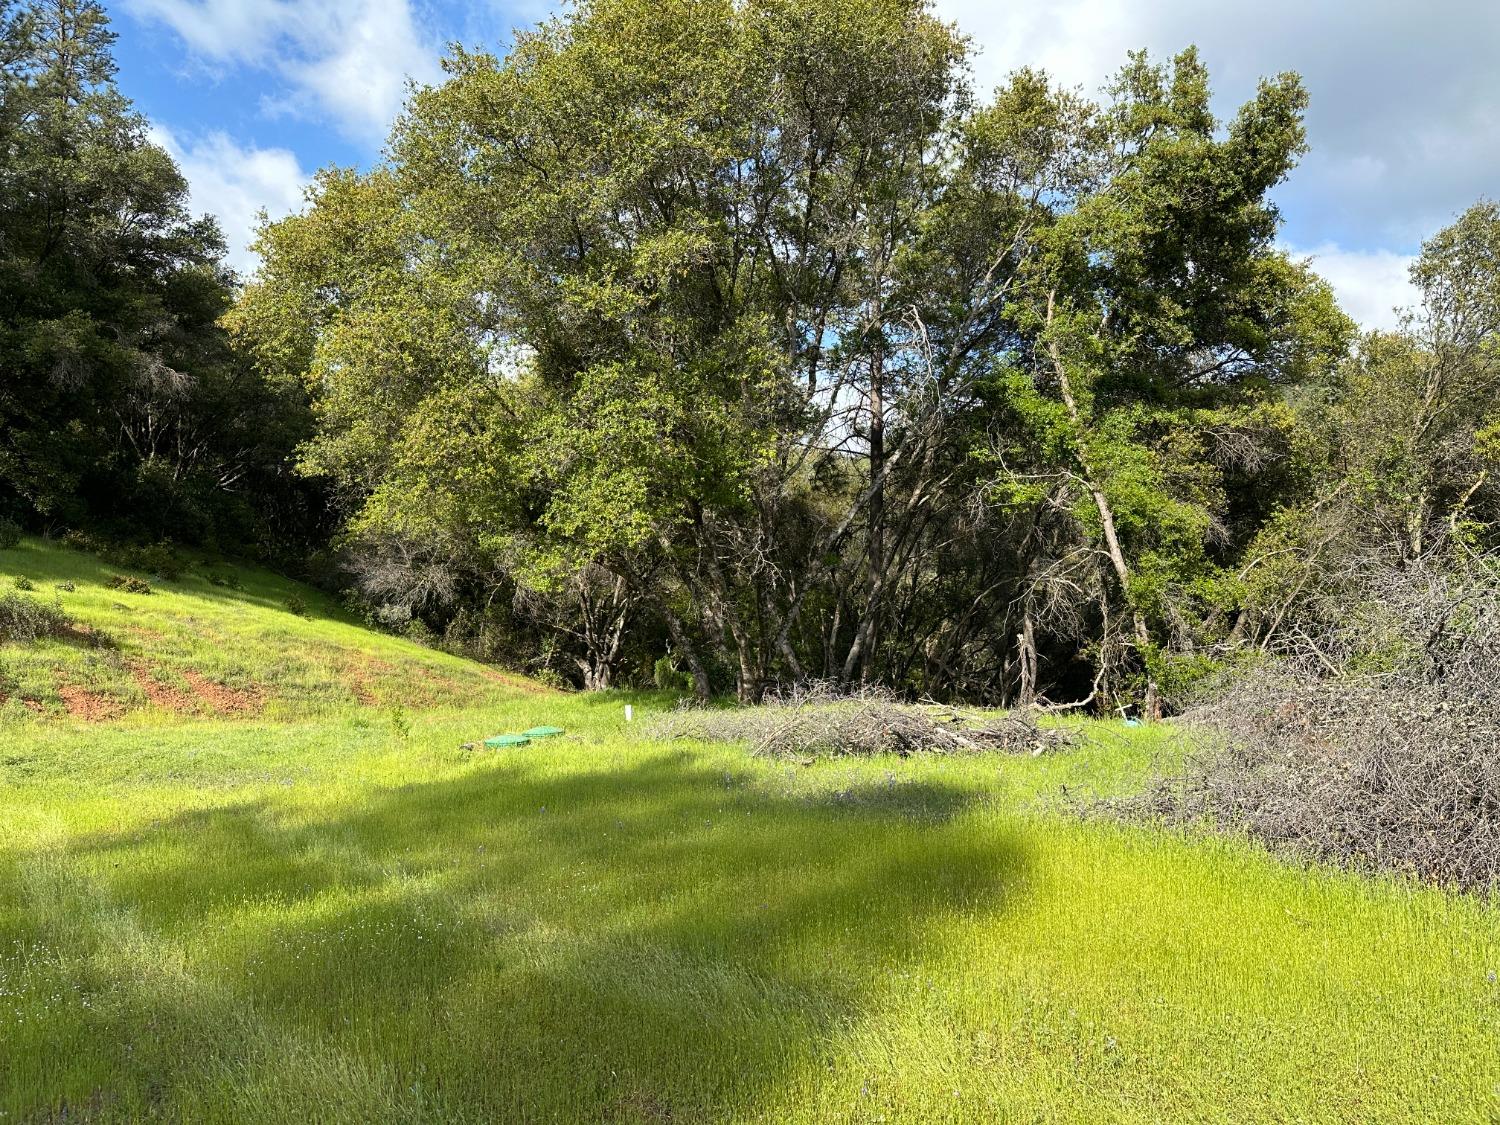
542 732
507 740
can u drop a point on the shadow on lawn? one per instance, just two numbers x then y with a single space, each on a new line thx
664 941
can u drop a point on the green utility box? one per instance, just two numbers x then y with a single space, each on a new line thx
500 740
542 732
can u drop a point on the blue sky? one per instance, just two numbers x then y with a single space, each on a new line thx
252 96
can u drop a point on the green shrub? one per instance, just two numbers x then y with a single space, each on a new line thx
128 584
297 604
225 581
10 533
400 724
25 619
65 587
160 559
669 677
83 541
417 630
21 582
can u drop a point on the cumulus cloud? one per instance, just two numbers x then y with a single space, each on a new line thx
1404 97
346 60
1372 286
234 183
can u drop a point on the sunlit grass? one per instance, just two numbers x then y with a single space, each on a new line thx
350 918
169 652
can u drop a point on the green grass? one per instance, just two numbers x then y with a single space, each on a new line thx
346 917
191 647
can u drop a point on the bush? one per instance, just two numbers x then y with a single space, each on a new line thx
823 720
669 678
10 533
83 541
297 605
65 587
225 581
160 559
21 582
419 631
25 619
128 584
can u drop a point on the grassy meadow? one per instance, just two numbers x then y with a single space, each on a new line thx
283 891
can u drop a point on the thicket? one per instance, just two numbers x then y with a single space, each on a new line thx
123 407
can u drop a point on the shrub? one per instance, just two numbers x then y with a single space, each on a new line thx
418 630
160 559
400 724
65 587
669 678
10 533
225 581
297 605
21 582
82 541
128 584
25 619
823 720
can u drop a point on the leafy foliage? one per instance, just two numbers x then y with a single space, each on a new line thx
757 318
122 406
23 619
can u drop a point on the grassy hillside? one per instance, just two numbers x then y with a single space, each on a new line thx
345 916
192 648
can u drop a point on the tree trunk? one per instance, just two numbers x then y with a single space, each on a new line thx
871 630
689 652
1026 639
1152 706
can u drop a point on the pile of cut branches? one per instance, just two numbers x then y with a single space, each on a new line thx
1376 756
821 720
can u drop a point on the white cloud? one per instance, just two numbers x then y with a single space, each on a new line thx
346 59
1403 95
234 184
1371 285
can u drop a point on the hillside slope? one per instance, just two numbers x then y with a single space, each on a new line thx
221 641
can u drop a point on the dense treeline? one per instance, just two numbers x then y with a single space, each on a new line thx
123 408
749 332
749 344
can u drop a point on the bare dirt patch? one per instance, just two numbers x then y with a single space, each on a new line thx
225 700
168 697
88 705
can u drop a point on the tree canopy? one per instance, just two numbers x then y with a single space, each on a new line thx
121 402
749 343
755 323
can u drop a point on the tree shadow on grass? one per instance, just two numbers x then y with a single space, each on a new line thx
654 942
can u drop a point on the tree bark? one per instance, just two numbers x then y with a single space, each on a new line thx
689 652
1152 706
871 632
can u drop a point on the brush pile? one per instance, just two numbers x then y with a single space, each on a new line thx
819 720
1375 756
